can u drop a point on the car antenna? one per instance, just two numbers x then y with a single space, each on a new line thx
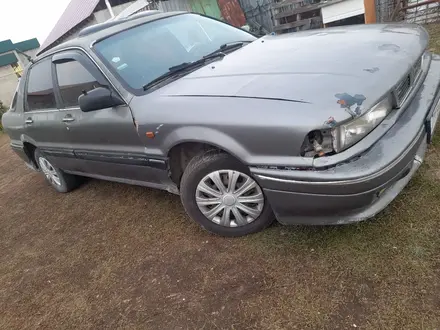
25 55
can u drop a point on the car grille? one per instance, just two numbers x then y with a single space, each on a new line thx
407 83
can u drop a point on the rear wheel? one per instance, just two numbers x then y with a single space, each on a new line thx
218 192
62 182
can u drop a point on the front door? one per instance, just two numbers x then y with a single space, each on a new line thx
105 142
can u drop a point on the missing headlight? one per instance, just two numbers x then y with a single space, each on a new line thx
317 143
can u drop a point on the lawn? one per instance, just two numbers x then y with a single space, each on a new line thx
116 256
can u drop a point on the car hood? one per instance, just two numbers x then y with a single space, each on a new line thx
317 67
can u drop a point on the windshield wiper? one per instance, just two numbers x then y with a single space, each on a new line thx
181 68
230 46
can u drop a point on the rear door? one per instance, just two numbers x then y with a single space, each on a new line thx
42 119
105 142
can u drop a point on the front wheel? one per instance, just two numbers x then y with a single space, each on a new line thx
218 192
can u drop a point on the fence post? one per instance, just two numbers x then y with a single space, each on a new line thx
370 11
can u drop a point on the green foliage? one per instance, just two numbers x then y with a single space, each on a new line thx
2 111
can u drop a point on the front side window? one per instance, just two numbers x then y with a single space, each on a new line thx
73 80
143 53
40 95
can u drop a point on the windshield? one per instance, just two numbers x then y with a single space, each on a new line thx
143 53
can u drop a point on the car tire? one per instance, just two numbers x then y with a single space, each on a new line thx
198 174
61 181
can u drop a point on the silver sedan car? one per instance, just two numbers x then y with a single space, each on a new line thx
317 127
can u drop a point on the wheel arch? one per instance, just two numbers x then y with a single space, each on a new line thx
181 154
29 148
187 142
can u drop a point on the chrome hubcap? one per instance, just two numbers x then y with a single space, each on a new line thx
49 171
229 198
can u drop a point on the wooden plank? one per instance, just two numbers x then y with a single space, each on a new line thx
370 11
296 24
285 3
418 4
285 14
299 10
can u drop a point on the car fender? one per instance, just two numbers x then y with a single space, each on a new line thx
206 135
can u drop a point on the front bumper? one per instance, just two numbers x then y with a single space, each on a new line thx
359 188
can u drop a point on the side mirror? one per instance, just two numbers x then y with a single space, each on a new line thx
99 98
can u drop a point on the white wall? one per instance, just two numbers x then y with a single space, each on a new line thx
341 10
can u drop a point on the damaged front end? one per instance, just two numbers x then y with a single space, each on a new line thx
339 137
318 143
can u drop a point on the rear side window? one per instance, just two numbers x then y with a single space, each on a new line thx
74 79
14 102
40 95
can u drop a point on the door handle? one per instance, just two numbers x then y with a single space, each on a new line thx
29 121
68 119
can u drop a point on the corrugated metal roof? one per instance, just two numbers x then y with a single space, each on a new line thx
6 46
76 12
27 44
7 59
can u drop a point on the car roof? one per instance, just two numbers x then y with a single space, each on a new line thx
89 35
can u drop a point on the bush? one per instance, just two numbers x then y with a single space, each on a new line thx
2 111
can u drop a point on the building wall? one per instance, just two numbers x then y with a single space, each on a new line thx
32 53
258 14
342 10
175 5
104 15
8 84
8 78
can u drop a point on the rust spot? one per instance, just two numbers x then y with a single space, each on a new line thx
150 135
232 12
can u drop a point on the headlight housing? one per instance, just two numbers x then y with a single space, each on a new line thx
348 134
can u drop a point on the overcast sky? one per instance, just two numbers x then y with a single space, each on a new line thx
26 19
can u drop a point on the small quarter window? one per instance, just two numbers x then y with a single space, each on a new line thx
40 93
14 102
74 79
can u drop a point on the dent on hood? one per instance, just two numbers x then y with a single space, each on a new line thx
402 29
346 101
391 47
372 70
